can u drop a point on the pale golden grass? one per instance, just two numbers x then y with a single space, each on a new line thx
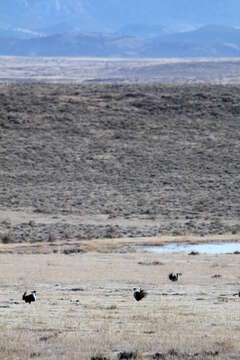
198 313
111 244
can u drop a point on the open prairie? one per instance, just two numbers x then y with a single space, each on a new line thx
85 306
87 173
102 70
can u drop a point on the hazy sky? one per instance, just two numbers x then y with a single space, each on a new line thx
112 14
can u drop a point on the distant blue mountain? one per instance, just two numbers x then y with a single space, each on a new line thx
19 33
137 28
142 30
208 41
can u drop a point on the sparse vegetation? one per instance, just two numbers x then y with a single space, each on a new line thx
90 71
7 237
119 160
51 236
85 307
88 172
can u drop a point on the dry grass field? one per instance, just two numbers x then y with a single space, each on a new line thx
86 173
85 306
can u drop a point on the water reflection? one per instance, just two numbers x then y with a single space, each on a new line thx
204 248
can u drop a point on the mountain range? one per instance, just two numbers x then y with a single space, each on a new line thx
120 28
208 41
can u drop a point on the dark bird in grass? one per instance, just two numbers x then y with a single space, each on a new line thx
237 294
29 298
139 294
174 276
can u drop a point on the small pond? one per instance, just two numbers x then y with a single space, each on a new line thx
203 248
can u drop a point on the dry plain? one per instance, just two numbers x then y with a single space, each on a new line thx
89 171
105 70
85 306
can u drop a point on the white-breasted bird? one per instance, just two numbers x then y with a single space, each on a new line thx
29 298
139 294
174 276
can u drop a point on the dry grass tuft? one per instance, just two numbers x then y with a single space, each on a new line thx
51 237
7 237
